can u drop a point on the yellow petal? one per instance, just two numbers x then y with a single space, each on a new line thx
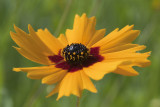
87 83
84 30
126 38
38 72
127 56
41 59
126 48
114 35
119 48
99 69
116 38
107 38
63 40
142 62
89 30
137 59
65 86
79 26
29 45
40 41
72 35
25 41
36 45
98 35
55 77
55 90
126 71
49 40
71 84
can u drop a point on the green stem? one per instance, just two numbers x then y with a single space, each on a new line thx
78 102
67 8
95 7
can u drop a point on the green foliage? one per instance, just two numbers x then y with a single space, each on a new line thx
16 90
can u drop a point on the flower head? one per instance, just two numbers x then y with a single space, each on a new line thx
82 53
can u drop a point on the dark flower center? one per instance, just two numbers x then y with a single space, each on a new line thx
76 53
76 56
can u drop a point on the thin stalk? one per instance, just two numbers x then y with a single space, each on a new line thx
30 102
62 20
95 7
78 102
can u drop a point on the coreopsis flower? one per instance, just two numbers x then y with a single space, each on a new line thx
70 60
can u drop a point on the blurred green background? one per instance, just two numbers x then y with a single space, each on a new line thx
16 90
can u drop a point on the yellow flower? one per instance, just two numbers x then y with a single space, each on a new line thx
82 53
156 4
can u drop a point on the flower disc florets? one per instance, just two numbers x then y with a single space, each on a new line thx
75 53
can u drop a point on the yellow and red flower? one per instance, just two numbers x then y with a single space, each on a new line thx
82 53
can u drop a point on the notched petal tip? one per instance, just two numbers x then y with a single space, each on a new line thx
29 25
103 31
12 33
95 91
46 30
43 81
58 99
93 21
133 74
30 28
147 53
29 76
97 79
93 18
143 47
48 96
16 69
126 70
15 27
77 16
19 32
137 32
66 96
137 73
130 26
84 15
16 47
39 30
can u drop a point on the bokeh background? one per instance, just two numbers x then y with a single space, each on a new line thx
16 90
